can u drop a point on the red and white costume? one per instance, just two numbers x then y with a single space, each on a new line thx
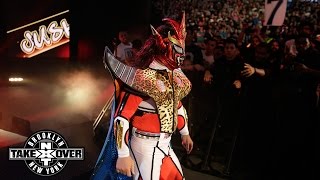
149 108
151 130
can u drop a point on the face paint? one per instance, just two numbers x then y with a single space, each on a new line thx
178 54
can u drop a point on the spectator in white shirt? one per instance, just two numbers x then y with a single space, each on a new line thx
123 51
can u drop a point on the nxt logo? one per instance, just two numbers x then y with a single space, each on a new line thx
46 153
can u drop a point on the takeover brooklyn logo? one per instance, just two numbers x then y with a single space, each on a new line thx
46 153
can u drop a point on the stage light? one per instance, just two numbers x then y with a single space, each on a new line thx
15 79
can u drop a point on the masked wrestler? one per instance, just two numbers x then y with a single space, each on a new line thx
148 109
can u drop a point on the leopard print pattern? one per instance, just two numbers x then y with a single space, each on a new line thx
166 90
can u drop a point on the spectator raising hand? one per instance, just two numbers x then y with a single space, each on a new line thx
248 70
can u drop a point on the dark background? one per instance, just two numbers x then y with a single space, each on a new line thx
93 24
100 21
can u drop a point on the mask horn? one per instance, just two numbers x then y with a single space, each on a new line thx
183 24
158 37
153 30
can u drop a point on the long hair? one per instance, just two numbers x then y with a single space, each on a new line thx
151 48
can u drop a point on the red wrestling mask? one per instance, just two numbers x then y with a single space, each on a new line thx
173 45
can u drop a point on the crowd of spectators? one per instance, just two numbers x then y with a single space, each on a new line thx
255 88
261 83
230 18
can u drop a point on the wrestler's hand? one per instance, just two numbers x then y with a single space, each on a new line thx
187 143
125 165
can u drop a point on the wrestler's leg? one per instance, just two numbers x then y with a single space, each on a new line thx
155 160
171 167
148 158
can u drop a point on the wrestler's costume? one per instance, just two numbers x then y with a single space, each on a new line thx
147 110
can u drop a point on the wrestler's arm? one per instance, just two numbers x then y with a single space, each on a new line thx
187 142
127 106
